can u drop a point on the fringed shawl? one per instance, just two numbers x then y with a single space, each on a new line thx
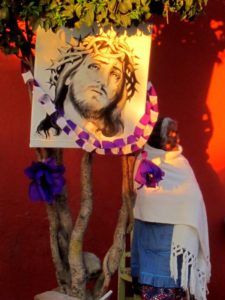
178 200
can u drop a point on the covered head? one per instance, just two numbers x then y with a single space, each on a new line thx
165 134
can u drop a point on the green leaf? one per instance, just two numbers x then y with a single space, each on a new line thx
77 24
188 4
68 13
89 16
125 20
135 3
53 6
134 15
47 24
112 5
101 15
125 6
147 16
78 10
113 16
146 9
143 2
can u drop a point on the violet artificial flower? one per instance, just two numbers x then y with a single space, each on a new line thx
148 174
47 180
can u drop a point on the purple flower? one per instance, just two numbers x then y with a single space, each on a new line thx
47 180
148 174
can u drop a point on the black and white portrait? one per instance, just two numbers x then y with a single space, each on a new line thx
96 81
94 78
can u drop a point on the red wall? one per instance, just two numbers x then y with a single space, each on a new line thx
188 76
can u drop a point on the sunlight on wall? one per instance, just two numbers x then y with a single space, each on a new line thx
216 105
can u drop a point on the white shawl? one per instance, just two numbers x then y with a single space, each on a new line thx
178 200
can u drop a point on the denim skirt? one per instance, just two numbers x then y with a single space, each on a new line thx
150 254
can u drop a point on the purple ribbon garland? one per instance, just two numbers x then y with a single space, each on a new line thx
117 146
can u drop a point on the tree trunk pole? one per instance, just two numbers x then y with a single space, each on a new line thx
60 226
62 275
78 270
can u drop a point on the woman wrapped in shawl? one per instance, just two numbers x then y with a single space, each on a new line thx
170 249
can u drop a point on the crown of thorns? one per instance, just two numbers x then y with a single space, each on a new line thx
112 47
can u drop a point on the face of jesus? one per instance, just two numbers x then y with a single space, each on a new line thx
96 83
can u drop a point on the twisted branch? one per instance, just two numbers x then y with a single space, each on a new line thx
77 267
60 226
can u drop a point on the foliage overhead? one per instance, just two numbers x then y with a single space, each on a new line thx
73 13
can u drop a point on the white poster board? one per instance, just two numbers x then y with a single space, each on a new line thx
91 90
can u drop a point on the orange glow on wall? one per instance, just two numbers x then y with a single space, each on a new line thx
216 105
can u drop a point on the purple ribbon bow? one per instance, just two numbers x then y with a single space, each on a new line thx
148 173
47 180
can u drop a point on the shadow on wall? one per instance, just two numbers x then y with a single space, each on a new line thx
182 60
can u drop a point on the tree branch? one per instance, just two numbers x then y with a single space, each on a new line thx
77 267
